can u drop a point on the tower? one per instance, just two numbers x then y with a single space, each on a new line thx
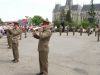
69 3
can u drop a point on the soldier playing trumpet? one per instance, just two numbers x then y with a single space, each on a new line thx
9 37
43 34
15 32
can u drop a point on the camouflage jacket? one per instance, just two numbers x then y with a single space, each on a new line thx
15 35
44 38
8 33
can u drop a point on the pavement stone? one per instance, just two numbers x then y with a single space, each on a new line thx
68 55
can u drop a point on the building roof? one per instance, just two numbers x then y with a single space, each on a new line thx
62 8
97 6
57 8
74 7
87 7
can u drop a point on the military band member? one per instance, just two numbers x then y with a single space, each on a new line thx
9 38
20 36
43 48
88 31
25 31
95 31
81 30
15 32
67 29
98 32
73 30
60 30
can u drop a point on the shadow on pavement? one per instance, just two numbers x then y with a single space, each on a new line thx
25 74
5 61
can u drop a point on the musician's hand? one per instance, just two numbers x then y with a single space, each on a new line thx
40 29
34 32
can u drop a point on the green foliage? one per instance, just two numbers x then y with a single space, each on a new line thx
29 21
71 24
20 22
68 20
37 20
57 23
92 13
85 24
68 16
93 25
66 23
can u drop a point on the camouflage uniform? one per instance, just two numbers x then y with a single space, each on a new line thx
67 30
9 38
98 38
15 35
43 49
73 30
81 31
60 30
20 36
88 31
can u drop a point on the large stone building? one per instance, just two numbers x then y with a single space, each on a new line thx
78 13
86 8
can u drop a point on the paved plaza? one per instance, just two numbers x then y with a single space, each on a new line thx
68 55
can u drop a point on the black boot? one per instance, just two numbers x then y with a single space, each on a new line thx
41 73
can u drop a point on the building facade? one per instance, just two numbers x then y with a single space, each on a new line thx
86 8
78 13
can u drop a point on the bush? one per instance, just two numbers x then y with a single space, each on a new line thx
57 23
85 24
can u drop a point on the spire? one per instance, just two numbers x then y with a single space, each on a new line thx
69 2
91 1
66 2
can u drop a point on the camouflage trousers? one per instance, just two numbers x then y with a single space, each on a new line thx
43 61
15 51
9 42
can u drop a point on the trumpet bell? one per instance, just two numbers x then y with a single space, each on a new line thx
36 28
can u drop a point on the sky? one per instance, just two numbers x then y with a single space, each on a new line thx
12 10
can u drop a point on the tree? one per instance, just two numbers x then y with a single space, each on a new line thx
69 19
62 18
91 13
68 16
37 20
57 23
85 24
29 21
20 22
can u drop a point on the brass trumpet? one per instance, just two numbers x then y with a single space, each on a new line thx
37 28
